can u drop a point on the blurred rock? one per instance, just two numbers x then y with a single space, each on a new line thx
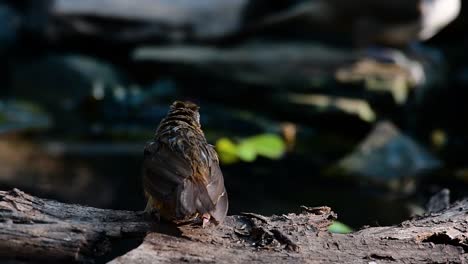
143 20
397 22
62 79
384 70
439 201
298 67
22 116
387 156
61 83
436 15
277 65
328 104
378 77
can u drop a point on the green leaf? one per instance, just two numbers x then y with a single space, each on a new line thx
246 151
267 145
227 151
339 228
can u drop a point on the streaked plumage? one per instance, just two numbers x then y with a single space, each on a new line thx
181 174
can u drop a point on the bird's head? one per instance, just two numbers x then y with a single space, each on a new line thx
187 108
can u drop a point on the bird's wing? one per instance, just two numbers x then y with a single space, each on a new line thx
169 176
207 193
215 187
200 191
163 171
218 193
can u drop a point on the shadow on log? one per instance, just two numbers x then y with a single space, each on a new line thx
34 230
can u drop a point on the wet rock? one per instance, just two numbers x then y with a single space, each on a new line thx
386 155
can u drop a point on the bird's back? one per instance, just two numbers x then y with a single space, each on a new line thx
181 173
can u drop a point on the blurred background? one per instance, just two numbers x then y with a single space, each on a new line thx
359 105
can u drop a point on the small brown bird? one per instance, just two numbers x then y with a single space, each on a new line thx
181 174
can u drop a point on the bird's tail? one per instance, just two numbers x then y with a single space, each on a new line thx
194 198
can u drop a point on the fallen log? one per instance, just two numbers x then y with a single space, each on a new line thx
302 238
39 230
34 230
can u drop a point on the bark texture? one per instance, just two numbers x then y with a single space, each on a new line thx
302 238
38 230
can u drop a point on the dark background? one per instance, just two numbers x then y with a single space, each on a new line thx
85 84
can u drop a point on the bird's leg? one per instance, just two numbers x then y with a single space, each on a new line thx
206 220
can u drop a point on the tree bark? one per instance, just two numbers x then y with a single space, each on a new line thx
302 238
38 230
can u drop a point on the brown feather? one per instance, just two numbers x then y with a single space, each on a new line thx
181 173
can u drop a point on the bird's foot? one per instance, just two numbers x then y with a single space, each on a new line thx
206 220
